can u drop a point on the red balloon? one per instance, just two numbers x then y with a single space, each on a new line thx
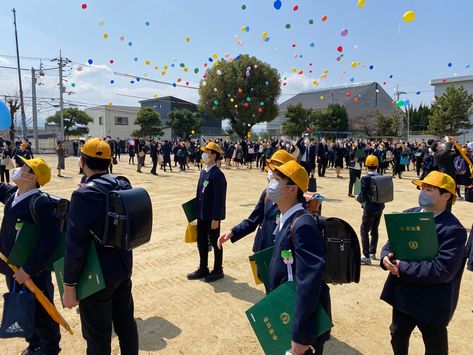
187 83
324 18
260 110
296 7
293 45
246 104
348 93
240 90
340 48
111 61
356 99
84 6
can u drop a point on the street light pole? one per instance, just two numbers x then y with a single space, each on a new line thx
35 110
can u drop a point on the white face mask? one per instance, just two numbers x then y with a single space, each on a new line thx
16 174
205 158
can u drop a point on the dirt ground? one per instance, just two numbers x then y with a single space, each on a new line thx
177 316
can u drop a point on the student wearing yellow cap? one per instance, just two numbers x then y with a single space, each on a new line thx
265 215
305 241
85 225
210 209
372 212
18 199
425 294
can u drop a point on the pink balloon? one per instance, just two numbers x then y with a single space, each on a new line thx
344 32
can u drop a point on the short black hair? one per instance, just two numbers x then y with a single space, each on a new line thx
443 191
219 156
95 163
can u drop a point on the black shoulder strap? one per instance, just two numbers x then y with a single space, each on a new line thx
32 205
297 215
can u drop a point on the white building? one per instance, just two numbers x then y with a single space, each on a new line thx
441 85
114 121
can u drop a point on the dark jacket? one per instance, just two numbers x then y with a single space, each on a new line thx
211 195
469 249
428 290
309 263
87 213
364 193
153 151
263 217
48 228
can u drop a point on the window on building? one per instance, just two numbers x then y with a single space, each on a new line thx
121 121
100 121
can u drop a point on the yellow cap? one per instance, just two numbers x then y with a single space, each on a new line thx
281 156
295 172
212 146
97 148
372 161
24 145
440 180
40 169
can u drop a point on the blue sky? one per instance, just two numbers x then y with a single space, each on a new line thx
412 53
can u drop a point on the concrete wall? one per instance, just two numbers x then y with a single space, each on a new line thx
108 126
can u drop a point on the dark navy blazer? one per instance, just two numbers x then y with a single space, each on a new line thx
308 267
48 228
87 217
364 193
211 198
263 217
428 290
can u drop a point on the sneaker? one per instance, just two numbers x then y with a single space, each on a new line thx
198 274
214 276
365 260
373 257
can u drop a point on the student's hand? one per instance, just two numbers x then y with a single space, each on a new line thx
223 238
393 266
21 276
299 349
214 224
69 298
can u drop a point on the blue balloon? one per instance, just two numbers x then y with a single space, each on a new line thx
277 4
450 65
467 66
371 67
5 119
418 93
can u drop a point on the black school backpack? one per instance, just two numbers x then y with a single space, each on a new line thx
60 206
129 213
381 188
343 262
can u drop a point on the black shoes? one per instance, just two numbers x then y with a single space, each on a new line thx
198 274
214 276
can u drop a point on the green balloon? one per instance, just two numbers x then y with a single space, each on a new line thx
288 26
311 22
215 102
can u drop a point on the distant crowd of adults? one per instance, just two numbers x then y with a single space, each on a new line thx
315 155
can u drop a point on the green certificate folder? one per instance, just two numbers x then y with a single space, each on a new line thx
91 280
412 236
189 210
262 259
25 243
271 319
357 189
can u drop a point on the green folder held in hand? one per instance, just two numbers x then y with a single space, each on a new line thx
189 210
271 319
357 189
25 243
91 280
412 236
262 259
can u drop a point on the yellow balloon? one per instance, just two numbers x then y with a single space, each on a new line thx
214 56
293 70
166 67
315 82
232 99
148 62
155 67
354 64
322 97
105 35
193 132
188 39
186 69
409 16
264 35
361 3
243 28
110 103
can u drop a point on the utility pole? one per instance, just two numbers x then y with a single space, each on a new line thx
61 98
13 104
22 104
35 111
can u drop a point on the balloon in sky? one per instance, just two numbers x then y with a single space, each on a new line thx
312 44
296 7
361 3
79 68
409 16
264 35
450 65
4 116
90 61
243 7
101 23
84 6
311 22
344 32
188 39
130 44
348 93
371 67
340 48
467 66
288 26
122 38
277 4
147 23
324 18
418 93
356 99
105 35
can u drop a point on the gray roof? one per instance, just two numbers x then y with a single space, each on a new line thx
453 79
335 95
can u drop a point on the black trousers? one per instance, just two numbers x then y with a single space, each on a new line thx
204 234
369 224
112 305
155 164
353 175
435 336
4 174
46 334
322 166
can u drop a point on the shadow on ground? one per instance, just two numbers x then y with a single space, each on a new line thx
241 291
